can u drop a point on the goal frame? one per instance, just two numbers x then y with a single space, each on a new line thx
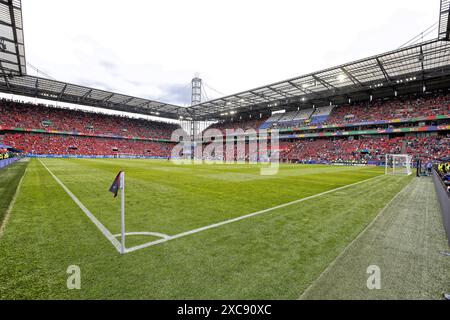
122 155
390 166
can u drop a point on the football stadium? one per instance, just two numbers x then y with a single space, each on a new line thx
330 185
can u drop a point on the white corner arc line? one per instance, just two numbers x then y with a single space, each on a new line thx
219 224
144 233
94 220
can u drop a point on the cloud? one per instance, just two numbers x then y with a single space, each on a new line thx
108 65
153 57
179 94
96 84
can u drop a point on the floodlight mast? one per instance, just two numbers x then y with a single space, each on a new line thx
196 98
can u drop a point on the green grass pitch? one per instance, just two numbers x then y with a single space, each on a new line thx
274 255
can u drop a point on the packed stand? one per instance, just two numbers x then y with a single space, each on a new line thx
240 124
32 116
52 144
367 149
388 110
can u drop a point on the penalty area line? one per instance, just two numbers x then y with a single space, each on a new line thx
219 224
94 220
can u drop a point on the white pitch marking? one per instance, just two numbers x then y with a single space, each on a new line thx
215 225
99 225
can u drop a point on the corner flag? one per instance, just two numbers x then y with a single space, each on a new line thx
116 185
119 183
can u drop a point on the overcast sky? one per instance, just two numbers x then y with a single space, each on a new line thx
152 49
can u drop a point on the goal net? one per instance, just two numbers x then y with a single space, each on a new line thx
125 155
398 164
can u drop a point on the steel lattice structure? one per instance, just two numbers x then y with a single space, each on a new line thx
12 48
419 63
71 93
444 20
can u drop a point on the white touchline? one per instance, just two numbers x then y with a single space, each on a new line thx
99 225
215 225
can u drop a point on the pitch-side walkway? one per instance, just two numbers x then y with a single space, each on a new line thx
406 243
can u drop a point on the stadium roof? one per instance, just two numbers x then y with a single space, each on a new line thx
70 93
444 20
12 48
13 78
419 63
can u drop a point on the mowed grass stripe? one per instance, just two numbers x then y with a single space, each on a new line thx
247 216
46 229
271 256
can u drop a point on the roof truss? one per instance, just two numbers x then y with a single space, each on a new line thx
70 93
12 48
444 20
419 62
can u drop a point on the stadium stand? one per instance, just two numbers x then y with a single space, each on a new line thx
53 144
273 119
388 110
241 124
321 115
367 150
288 119
400 108
32 116
76 132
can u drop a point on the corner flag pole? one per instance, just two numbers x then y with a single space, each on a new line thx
122 209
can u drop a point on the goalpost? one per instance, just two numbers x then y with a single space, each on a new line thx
398 164
125 156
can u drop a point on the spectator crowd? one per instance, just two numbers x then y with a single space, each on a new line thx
367 149
388 110
31 116
82 130
53 144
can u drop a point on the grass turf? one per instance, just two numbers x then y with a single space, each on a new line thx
9 181
275 255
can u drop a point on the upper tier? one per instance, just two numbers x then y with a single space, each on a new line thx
368 112
31 116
